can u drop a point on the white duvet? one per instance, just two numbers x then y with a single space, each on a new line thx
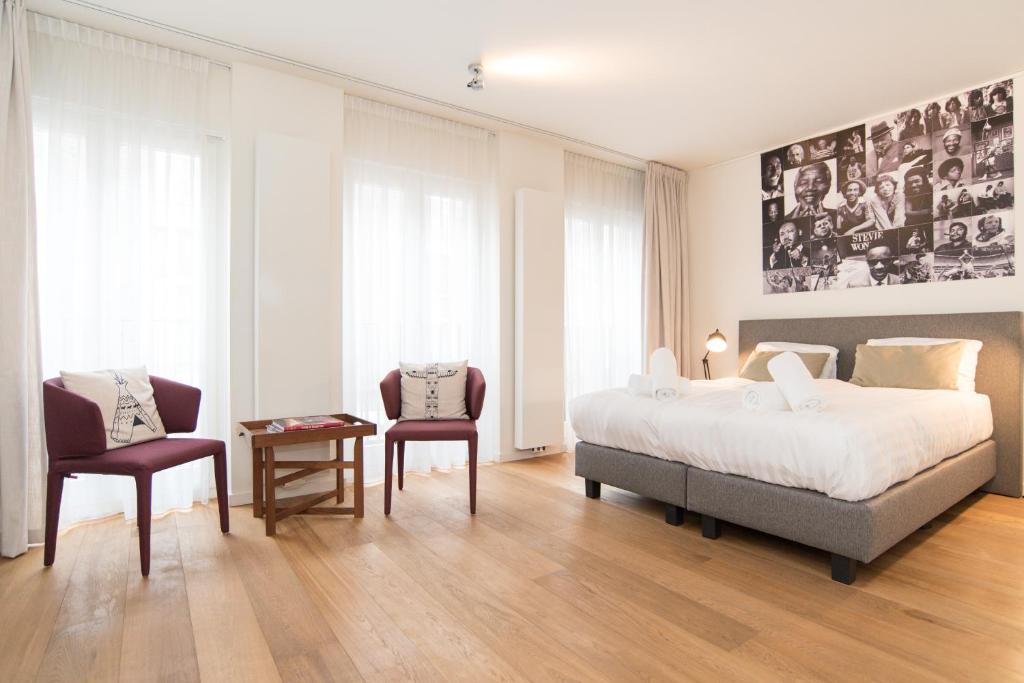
863 442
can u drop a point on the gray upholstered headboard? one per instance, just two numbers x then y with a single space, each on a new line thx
999 366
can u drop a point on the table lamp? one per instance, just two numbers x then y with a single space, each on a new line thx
714 344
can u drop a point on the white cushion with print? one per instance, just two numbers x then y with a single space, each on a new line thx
126 402
433 391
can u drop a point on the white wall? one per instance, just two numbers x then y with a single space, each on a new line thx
271 102
725 269
267 102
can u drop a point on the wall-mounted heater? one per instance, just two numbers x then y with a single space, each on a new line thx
540 302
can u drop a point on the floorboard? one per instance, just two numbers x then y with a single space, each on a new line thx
30 602
157 640
542 584
229 641
87 635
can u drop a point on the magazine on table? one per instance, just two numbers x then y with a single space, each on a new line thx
295 424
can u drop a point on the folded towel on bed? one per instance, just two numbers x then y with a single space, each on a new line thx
642 385
666 388
670 392
764 396
795 383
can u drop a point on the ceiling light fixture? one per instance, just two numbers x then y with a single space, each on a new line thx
477 80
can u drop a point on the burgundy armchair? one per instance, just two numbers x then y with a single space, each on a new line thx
76 444
429 430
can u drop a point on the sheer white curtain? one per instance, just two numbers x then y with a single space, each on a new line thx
420 264
604 238
132 231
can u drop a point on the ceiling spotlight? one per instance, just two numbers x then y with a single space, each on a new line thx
477 80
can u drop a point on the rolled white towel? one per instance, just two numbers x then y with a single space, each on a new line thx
665 388
795 382
671 389
663 362
639 385
762 396
664 375
642 385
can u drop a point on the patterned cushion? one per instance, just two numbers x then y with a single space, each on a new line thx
433 391
126 402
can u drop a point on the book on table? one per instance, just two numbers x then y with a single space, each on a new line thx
295 424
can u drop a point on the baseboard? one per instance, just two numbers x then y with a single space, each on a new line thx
236 499
325 482
319 484
526 455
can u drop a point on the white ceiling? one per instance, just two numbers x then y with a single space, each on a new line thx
683 82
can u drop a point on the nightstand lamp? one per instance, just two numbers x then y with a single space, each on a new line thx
715 344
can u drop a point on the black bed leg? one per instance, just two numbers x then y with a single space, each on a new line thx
593 488
844 569
710 526
674 514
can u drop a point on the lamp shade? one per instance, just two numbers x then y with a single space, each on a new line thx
716 342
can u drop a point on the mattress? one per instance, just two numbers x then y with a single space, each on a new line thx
866 439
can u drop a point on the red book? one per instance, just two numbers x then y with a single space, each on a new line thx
294 424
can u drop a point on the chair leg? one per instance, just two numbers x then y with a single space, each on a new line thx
401 465
339 475
54 489
389 461
472 474
220 474
143 507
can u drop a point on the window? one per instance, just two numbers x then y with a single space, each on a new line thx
420 264
132 232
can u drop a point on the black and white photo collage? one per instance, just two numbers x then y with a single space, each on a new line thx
923 195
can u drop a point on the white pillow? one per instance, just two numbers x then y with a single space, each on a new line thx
968 361
434 391
828 371
126 402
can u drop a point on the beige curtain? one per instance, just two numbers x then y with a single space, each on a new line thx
21 450
666 274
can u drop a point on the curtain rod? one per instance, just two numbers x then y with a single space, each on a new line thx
343 76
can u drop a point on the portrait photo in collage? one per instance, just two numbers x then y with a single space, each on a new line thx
921 195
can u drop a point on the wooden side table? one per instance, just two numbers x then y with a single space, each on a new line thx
264 468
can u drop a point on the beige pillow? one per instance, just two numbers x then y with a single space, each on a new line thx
756 367
968 362
934 366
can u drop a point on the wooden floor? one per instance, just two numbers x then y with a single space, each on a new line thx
542 584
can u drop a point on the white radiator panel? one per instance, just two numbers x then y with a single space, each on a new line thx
540 319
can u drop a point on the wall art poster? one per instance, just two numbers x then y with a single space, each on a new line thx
922 195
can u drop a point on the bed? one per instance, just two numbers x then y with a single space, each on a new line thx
716 472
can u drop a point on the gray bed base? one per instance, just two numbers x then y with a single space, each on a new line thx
852 532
